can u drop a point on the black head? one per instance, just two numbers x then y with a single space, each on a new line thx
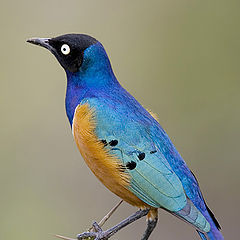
68 49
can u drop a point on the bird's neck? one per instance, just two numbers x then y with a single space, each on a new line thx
94 76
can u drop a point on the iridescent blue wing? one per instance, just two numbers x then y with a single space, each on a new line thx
144 151
151 177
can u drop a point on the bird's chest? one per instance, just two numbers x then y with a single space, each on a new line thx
104 165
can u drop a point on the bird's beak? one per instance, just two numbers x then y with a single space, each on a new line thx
43 42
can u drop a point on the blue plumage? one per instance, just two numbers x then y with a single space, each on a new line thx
158 174
162 179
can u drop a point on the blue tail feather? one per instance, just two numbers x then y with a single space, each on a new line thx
202 235
205 223
214 233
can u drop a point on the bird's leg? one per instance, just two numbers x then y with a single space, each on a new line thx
151 224
152 219
127 221
104 235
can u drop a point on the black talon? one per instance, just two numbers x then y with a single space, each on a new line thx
141 156
86 235
96 227
104 235
113 143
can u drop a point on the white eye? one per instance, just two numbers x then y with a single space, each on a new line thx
65 49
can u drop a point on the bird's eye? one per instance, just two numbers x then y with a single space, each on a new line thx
65 49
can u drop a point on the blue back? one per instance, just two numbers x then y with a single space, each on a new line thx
162 178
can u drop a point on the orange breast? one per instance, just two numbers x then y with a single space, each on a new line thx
104 165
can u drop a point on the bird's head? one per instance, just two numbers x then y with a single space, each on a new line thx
70 49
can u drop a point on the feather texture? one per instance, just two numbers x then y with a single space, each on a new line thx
157 176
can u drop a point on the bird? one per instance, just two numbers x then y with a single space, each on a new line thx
123 143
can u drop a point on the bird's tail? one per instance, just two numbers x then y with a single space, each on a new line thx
202 235
214 233
206 224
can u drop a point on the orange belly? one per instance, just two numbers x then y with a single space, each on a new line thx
104 165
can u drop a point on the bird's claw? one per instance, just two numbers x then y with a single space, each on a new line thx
96 227
92 235
97 233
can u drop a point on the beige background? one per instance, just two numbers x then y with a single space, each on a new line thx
178 58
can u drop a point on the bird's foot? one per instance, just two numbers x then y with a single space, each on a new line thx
97 233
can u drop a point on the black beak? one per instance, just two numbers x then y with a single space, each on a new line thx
43 42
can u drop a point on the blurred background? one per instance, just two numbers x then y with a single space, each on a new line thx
178 58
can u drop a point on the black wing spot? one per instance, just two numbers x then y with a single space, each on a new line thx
104 142
113 143
131 165
141 156
153 151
